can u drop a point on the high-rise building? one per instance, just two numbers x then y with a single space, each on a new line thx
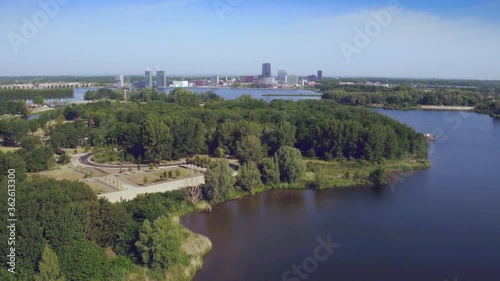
214 81
161 80
282 76
311 78
119 81
320 75
292 80
266 70
149 79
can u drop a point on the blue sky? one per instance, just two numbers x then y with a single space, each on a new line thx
422 39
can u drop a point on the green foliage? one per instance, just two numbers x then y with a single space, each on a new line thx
159 243
33 125
13 161
15 130
378 177
64 159
106 222
249 177
13 107
270 171
83 260
157 140
277 136
48 268
290 164
184 97
40 159
399 96
249 149
30 94
151 206
29 143
38 100
220 152
103 93
219 181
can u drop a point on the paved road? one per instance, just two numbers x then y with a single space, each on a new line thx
84 160
130 194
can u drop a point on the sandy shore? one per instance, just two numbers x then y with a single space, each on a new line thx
436 107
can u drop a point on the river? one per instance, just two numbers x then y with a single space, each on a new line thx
433 225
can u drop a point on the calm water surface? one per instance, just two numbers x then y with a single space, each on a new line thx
441 223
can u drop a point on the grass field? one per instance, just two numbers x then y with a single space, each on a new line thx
61 174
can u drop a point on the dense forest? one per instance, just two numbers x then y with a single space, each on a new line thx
29 94
173 126
13 107
409 97
66 233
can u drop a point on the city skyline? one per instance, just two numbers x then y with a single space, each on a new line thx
420 39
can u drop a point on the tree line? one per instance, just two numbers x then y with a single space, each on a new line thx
178 127
13 107
30 94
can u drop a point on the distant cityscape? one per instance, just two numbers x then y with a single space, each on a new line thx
283 80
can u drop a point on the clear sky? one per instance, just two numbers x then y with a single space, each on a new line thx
421 38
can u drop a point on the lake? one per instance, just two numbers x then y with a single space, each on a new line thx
433 225
227 93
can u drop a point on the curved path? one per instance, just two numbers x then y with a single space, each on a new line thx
84 160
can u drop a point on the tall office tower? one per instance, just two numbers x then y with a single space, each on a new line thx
161 80
119 81
214 81
149 79
292 80
282 76
266 70
320 75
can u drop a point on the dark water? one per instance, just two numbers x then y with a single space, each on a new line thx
439 224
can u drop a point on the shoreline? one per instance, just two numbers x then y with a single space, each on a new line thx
449 108
404 166
425 107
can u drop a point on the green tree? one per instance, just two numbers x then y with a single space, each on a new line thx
219 181
280 135
290 163
378 177
105 222
249 177
249 149
38 100
83 260
33 125
30 142
159 243
48 268
270 171
40 159
157 140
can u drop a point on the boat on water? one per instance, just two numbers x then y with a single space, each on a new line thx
430 137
